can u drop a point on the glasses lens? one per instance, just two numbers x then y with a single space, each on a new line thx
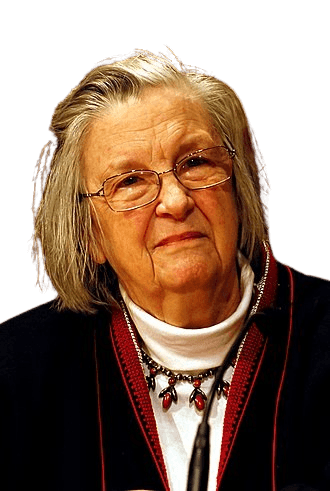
205 168
131 190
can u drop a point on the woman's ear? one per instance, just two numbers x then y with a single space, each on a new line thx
97 253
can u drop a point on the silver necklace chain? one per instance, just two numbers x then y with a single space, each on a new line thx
262 282
260 287
131 331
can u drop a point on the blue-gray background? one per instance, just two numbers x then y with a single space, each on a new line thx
275 55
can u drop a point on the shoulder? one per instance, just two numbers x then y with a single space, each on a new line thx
45 318
310 286
43 333
306 300
311 322
310 294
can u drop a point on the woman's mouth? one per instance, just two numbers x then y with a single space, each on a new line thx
179 238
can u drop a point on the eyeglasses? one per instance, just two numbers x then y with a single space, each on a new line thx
199 170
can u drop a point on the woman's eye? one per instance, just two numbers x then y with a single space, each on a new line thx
195 162
130 181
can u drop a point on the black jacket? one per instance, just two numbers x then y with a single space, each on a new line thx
61 375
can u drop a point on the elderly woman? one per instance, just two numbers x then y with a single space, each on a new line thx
153 233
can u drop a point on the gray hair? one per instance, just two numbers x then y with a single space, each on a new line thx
63 223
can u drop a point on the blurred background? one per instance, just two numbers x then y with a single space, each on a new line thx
275 55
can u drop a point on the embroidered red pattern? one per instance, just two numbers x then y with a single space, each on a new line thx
134 381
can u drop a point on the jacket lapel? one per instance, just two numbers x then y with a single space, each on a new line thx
248 363
136 387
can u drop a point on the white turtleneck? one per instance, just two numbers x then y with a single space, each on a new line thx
189 351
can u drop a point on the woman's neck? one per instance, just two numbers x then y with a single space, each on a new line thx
192 348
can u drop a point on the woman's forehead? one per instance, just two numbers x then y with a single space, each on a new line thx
160 122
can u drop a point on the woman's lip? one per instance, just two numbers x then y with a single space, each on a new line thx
180 237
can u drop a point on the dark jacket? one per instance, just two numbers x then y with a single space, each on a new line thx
75 413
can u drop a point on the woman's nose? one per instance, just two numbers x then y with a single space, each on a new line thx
174 199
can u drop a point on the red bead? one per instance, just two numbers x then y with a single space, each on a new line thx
197 382
199 402
171 381
153 371
167 400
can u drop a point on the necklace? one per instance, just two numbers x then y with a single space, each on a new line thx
169 394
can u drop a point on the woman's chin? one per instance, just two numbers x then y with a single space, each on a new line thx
187 276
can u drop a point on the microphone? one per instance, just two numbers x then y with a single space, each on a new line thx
200 459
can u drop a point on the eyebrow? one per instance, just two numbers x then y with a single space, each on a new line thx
189 145
193 146
121 166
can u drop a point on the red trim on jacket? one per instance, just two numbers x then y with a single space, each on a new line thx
244 377
136 386
99 417
274 447
246 371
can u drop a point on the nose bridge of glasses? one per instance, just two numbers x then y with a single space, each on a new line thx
176 177
166 172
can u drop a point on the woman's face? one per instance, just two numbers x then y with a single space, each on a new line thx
183 241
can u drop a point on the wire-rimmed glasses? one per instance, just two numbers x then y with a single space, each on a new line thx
201 169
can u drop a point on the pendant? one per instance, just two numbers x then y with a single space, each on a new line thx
169 394
197 395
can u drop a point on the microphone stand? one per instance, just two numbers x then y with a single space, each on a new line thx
200 459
